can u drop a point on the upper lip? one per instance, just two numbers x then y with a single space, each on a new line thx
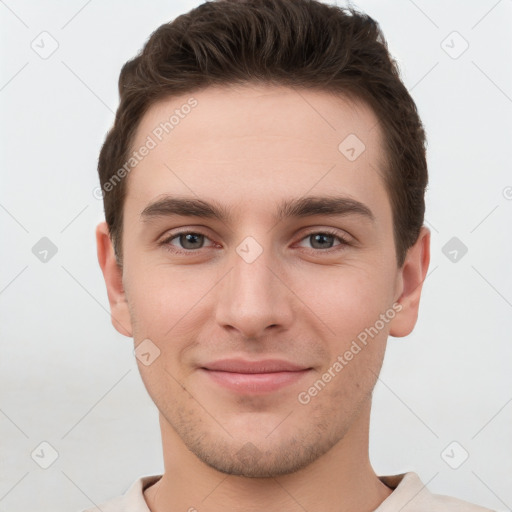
262 366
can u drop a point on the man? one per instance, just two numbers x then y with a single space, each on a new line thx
264 200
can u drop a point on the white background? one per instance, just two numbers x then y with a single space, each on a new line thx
68 378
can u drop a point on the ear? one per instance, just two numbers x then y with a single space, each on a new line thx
113 275
411 277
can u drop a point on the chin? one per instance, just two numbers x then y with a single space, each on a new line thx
257 456
250 462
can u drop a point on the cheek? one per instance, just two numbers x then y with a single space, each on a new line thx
350 303
163 384
348 378
347 298
160 296
168 308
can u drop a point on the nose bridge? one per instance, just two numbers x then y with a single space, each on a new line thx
252 297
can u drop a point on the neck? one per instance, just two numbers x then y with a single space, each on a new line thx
342 480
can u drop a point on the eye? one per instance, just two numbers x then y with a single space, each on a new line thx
323 240
187 240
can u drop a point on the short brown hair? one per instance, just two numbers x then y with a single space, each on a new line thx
297 43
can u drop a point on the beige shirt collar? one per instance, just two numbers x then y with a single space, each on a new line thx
409 495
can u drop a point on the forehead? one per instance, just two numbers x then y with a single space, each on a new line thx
254 144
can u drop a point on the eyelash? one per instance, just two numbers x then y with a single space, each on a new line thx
167 245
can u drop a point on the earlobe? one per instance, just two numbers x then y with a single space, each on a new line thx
412 276
112 273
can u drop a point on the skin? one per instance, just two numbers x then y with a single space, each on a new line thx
248 148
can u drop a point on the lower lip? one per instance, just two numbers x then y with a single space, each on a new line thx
255 382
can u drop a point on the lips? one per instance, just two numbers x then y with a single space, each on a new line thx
254 377
264 366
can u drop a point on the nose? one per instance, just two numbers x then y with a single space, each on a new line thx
254 298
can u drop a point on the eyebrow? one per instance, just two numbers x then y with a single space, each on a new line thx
291 208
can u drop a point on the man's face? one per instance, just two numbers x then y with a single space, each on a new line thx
254 288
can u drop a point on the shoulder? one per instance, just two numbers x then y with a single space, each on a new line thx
410 494
131 501
449 504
